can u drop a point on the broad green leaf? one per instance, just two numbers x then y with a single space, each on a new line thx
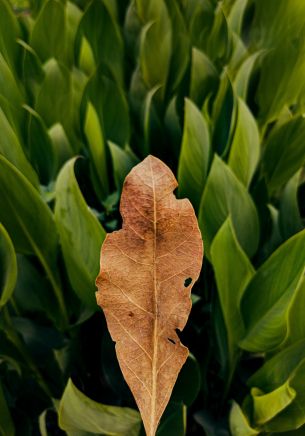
173 128
33 292
289 215
86 58
292 417
269 27
267 297
123 160
243 76
195 154
11 149
7 427
8 267
180 46
188 384
239 424
296 325
26 217
40 146
98 25
279 368
48 34
78 413
279 83
111 105
151 121
225 195
32 69
245 148
236 16
81 235
30 223
11 91
10 31
54 106
73 15
223 115
233 271
174 421
155 45
284 152
60 144
267 405
204 77
218 44
286 366
97 148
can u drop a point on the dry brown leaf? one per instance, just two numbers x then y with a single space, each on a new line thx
144 284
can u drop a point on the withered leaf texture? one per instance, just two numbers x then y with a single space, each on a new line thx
147 271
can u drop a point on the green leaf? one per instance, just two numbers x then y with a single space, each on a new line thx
180 46
188 384
97 22
86 58
239 424
204 77
8 267
10 31
40 147
223 115
30 223
110 103
78 413
11 149
123 160
267 405
279 84
174 421
236 16
195 154
7 427
155 45
33 292
224 195
289 215
11 91
233 272
81 235
48 34
284 152
97 148
73 15
244 73
267 297
245 148
296 326
286 366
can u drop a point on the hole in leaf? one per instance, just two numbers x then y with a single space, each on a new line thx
171 340
187 282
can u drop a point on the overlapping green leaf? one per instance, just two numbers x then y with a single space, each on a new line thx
78 413
81 235
225 195
266 299
195 154
233 272
8 267
245 147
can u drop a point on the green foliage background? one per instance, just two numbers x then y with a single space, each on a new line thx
216 90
